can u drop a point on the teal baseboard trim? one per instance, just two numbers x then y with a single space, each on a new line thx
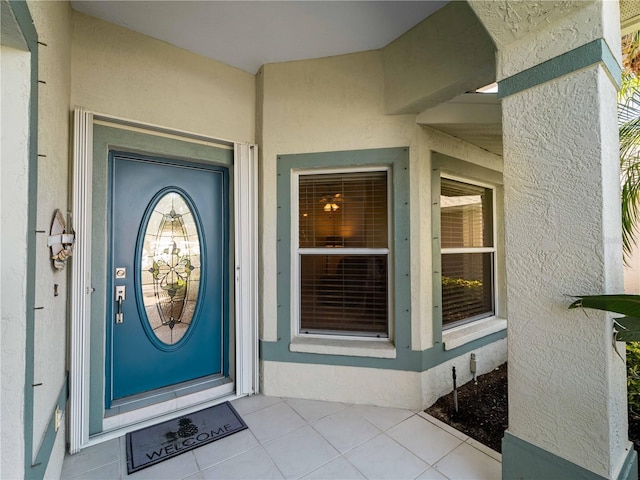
39 467
437 355
584 56
407 360
523 461
629 470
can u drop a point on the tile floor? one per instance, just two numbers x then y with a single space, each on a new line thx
308 439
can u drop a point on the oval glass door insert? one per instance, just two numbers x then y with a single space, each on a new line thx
170 268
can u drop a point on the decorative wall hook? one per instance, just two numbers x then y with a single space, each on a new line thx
60 242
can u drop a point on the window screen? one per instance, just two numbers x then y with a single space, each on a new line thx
343 239
468 252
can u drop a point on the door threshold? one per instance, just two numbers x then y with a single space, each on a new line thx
145 399
140 408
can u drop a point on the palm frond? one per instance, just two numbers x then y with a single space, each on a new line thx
629 133
631 52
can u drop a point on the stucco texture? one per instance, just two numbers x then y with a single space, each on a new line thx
430 64
309 106
14 163
528 33
120 72
53 21
565 380
337 104
375 386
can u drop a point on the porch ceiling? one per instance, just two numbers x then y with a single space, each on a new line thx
473 117
249 34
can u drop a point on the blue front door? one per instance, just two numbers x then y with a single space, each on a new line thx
168 288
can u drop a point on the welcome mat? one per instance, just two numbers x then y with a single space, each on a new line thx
154 444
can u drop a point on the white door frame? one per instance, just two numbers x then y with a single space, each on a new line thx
245 198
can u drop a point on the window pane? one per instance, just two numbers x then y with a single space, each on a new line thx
466 215
467 286
170 268
344 294
343 210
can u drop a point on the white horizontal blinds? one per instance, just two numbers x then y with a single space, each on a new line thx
344 294
343 289
468 252
343 210
466 215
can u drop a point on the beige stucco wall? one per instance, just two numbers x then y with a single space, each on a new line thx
14 108
566 390
430 64
583 370
53 22
155 82
120 72
335 104
521 30
375 386
330 104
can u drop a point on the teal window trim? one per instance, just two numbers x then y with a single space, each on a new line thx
406 359
436 261
443 165
397 160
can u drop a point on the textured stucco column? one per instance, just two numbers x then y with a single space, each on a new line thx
567 390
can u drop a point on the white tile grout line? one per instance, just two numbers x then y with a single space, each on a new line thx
312 425
92 469
481 447
280 400
472 442
438 423
444 426
464 437
422 460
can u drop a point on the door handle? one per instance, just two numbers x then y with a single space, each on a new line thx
120 297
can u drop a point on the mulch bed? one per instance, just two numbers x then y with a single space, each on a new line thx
483 410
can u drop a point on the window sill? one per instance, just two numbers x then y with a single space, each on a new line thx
458 336
351 348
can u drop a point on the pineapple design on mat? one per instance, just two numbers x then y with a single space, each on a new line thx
186 429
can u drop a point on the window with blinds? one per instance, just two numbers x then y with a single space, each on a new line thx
468 252
343 253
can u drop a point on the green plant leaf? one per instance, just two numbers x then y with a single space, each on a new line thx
628 323
625 304
627 329
628 336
